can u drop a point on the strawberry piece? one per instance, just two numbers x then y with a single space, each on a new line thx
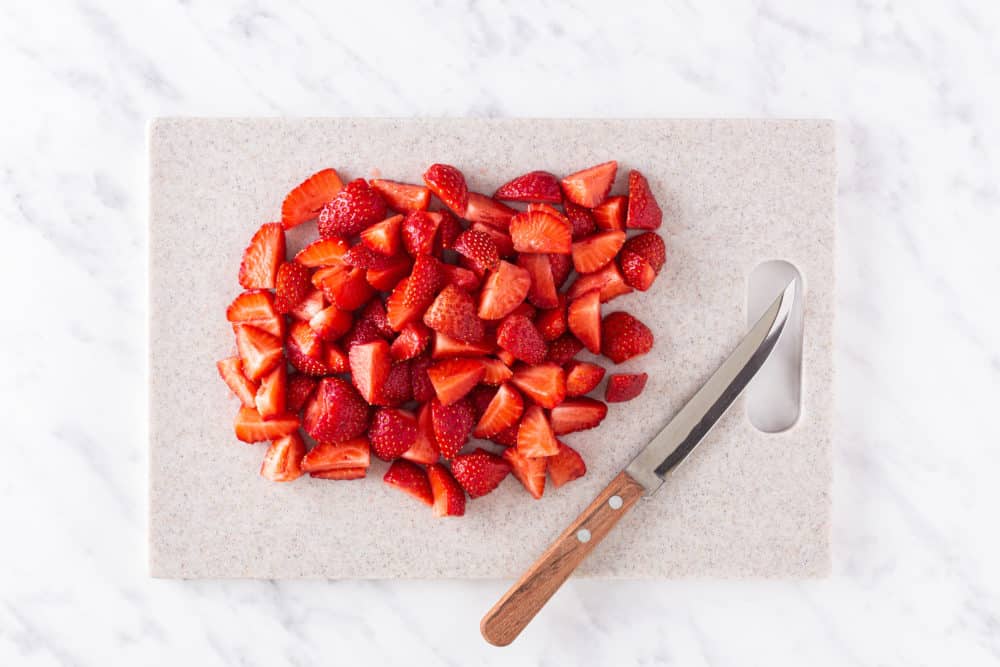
300 390
563 349
392 432
534 435
452 425
503 291
479 248
624 337
324 252
566 465
259 351
479 472
283 460
345 473
608 280
582 377
349 454
256 308
540 231
292 286
411 341
589 187
543 287
448 184
307 199
525 310
643 211
624 387
454 313
251 427
577 414
544 383
506 437
529 471
423 390
518 335
505 245
449 497
231 372
461 278
384 237
361 332
411 479
502 412
424 449
446 347
336 359
415 294
449 229
419 231
641 259
370 365
480 398
385 279
374 315
306 364
355 207
398 387
331 323
336 412
497 372
506 357
454 378
402 197
583 317
593 252
310 306
488 211
533 186
266 251
364 257
581 219
304 339
610 214
561 266
551 322
270 397
399 313
343 286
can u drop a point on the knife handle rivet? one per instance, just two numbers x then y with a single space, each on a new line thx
615 502
583 535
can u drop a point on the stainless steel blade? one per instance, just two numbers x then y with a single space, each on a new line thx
683 433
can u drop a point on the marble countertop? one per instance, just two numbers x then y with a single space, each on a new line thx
914 91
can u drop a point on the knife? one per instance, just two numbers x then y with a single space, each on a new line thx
643 476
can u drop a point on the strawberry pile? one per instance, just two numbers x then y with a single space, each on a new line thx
402 330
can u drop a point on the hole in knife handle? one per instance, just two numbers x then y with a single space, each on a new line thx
774 396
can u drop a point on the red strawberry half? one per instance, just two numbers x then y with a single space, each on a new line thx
448 184
449 496
336 412
583 316
594 252
261 259
488 211
479 472
452 425
541 231
643 211
403 197
411 479
624 337
454 313
534 435
350 454
354 208
625 387
251 427
308 198
544 383
231 372
504 290
503 411
641 259
392 432
529 471
454 378
589 187
577 414
519 336
610 214
283 460
533 186
566 465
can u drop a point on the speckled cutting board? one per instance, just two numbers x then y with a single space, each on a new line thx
734 193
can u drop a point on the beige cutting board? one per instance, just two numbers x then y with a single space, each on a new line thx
734 193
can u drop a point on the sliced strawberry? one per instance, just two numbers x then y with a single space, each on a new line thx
384 237
403 197
310 306
448 184
399 313
361 332
303 338
324 252
502 412
505 245
624 387
344 473
270 397
583 317
479 248
364 257
345 455
454 313
292 286
259 351
519 336
533 186
411 479
641 259
561 265
331 323
307 199
411 341
336 412
479 472
414 295
391 432
551 322
581 219
563 349
423 390
529 471
506 357
449 229
419 231
503 291
624 337
283 460
582 377
525 310
251 427
344 286
449 497
577 414
454 378
452 425
593 252
300 390
534 435
543 287
306 364
354 208
608 280
488 211
539 231
374 314
385 279
544 383
398 387
261 259
446 347
610 214
643 211
370 364
459 277
231 372
589 187
566 465
256 308
424 449
336 359
506 437
497 372
480 398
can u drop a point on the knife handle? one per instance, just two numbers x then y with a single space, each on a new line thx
504 622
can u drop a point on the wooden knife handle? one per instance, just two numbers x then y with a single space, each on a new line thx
504 622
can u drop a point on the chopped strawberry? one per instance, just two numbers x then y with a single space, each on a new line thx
479 472
519 336
610 214
551 322
310 306
283 460
543 383
411 341
624 337
497 372
608 280
459 277
304 339
331 323
449 497
589 187
488 211
392 432
231 372
266 251
505 245
307 199
530 471
364 257
595 251
448 184
448 230
300 390
343 286
581 219
354 208
582 377
251 427
384 237
479 248
424 449
454 378
577 414
525 310
566 465
398 387
414 295
423 390
452 425
403 197
503 291
506 437
480 398
624 387
308 365
363 331
370 364
561 266
583 316
506 357
539 231
324 252
534 435
502 412
336 412
374 313
336 359
419 231
643 211
564 348
454 313
411 479
641 259
292 286
446 347
256 308
543 287
348 454
343 473
385 279
270 397
533 186
259 351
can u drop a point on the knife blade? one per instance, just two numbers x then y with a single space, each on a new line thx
643 476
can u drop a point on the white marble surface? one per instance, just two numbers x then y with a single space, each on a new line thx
915 89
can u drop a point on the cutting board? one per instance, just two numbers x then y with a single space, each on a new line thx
734 193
